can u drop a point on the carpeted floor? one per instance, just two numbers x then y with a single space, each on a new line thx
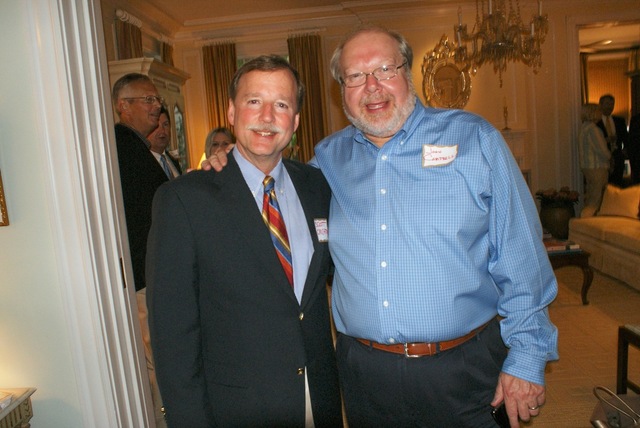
588 337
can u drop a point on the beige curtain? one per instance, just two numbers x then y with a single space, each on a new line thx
609 77
219 68
166 53
129 40
305 55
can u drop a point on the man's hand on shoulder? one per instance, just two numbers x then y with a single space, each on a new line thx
217 160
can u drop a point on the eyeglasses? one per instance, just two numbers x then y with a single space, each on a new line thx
384 72
149 99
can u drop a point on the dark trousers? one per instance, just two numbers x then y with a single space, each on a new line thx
634 161
450 389
617 172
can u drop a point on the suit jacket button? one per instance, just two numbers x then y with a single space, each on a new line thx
300 371
301 316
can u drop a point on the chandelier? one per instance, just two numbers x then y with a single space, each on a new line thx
501 37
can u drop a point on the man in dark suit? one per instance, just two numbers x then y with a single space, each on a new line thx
242 341
633 148
159 141
615 132
138 104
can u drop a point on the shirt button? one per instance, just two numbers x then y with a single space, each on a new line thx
385 303
383 227
300 371
392 340
383 191
384 157
301 316
383 264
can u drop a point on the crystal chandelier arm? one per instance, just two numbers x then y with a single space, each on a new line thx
500 36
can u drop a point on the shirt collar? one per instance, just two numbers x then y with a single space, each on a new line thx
142 137
254 177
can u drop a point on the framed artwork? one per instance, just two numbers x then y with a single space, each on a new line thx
4 218
181 138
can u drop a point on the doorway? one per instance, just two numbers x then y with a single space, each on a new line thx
608 58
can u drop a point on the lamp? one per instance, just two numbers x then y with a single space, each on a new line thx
501 37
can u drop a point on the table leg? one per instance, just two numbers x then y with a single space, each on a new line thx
587 278
623 362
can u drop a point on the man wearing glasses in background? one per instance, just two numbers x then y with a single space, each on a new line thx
138 106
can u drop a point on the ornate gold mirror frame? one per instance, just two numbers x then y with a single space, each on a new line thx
445 83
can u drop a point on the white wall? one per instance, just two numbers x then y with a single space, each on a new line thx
66 326
34 341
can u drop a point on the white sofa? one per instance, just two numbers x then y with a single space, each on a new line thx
613 235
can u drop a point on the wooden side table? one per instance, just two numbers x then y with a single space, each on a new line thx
19 412
578 258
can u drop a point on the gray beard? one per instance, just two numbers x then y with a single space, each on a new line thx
391 126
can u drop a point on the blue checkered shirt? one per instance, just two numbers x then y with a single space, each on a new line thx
436 233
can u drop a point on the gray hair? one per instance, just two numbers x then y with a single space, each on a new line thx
127 80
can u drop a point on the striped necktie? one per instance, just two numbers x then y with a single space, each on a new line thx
273 219
165 166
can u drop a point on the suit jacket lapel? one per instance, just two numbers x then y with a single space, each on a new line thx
248 224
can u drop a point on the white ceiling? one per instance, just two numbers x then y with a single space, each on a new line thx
609 36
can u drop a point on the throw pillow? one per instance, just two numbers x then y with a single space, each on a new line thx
620 202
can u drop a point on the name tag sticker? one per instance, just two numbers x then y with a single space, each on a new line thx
438 155
322 230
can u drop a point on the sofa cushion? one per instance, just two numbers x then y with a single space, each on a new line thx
622 232
597 227
627 238
620 202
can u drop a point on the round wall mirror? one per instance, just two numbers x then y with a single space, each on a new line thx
445 83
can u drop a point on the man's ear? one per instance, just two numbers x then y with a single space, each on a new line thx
231 112
296 122
123 105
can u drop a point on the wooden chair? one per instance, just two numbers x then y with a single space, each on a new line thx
627 335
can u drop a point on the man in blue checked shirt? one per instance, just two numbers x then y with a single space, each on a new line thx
441 282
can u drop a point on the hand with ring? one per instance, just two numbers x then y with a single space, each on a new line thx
522 398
